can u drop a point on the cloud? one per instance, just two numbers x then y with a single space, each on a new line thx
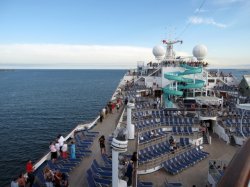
200 10
64 56
224 2
228 62
208 21
71 56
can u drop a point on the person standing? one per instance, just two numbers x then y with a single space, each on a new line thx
21 181
117 107
30 170
57 145
48 177
101 116
53 152
129 173
57 179
64 151
106 111
102 144
14 183
134 159
64 181
126 101
60 141
73 150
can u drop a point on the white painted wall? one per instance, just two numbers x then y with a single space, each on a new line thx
198 141
151 80
221 132
239 140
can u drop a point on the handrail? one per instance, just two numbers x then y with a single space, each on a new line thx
238 172
159 160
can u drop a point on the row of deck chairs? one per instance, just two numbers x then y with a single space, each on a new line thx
156 122
238 112
137 87
67 165
236 122
151 135
178 121
182 130
173 184
154 113
154 151
145 105
245 130
99 175
102 175
184 142
148 113
184 160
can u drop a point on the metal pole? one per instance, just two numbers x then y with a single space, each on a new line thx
136 164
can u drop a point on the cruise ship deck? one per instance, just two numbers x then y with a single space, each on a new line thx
195 175
78 177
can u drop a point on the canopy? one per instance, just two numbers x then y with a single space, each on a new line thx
205 100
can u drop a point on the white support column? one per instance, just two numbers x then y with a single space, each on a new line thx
130 126
115 171
206 81
222 101
119 145
194 88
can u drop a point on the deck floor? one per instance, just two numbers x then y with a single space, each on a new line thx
196 175
106 128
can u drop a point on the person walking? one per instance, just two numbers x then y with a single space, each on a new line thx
102 144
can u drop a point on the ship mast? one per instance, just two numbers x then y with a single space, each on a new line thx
169 50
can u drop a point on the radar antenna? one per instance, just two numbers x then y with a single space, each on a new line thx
170 43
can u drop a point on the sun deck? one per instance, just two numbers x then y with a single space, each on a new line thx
78 177
197 174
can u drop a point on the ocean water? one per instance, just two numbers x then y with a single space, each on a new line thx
238 73
37 105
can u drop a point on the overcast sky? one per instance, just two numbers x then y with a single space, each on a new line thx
117 34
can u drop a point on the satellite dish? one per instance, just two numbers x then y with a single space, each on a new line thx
158 52
200 51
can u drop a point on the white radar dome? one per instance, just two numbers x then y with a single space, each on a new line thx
158 51
200 51
193 59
